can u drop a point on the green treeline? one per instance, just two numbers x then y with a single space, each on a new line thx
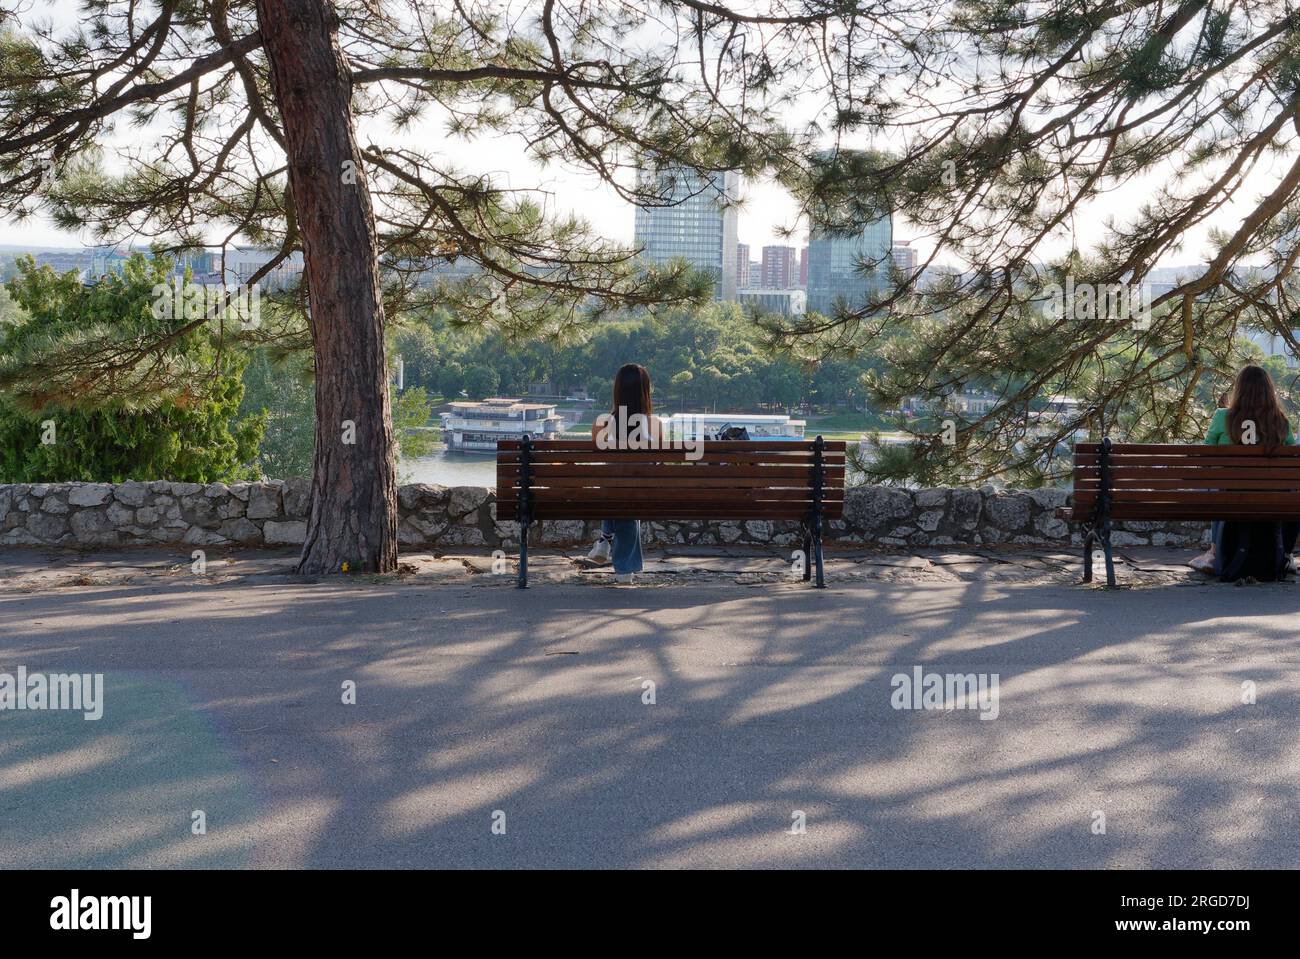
709 358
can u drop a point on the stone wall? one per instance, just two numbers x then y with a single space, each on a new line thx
436 517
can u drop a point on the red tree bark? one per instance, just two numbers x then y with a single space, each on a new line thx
354 484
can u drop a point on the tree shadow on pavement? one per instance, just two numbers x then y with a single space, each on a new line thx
529 708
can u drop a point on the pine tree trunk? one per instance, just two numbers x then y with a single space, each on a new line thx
354 485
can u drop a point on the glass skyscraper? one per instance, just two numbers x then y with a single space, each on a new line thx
847 266
839 266
699 225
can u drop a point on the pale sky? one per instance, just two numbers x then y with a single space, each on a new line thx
766 207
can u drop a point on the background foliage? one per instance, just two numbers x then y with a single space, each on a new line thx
194 434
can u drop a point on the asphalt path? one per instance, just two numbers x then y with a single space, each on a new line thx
691 725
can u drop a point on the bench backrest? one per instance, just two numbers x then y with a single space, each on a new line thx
1172 482
573 479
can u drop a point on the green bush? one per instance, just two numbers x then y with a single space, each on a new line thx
78 403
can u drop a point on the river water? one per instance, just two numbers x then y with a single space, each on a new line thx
445 468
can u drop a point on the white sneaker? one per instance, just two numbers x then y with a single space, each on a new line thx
625 579
600 553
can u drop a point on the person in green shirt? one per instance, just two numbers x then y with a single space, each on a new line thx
1250 414
1221 431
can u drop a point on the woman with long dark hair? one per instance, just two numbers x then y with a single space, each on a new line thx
1251 414
630 420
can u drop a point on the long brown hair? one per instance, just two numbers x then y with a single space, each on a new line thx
632 390
1254 399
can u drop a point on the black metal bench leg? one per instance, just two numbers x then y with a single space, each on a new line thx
807 553
815 515
523 556
1101 521
1110 562
1089 542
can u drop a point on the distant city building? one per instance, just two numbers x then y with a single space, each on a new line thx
780 267
904 256
699 224
454 271
742 265
1058 404
204 265
967 400
105 260
242 263
848 261
803 267
848 270
784 302
89 262
478 426
1163 279
755 274
93 262
934 276
975 402
59 261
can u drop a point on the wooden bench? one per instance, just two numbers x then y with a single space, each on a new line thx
572 479
1142 481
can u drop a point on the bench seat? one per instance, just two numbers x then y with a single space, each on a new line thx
801 481
1165 481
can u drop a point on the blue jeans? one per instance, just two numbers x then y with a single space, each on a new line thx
1216 539
627 544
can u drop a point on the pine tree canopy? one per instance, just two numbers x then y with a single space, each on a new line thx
991 128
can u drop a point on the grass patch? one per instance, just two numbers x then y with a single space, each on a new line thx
845 423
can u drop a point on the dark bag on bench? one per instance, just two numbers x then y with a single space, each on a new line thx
728 432
1256 550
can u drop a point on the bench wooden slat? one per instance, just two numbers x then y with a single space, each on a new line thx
677 508
776 450
1187 450
720 498
671 482
1165 481
1186 513
1194 477
681 513
670 458
1197 482
722 446
1236 462
1283 498
1091 464
667 512
732 480
670 471
1207 509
